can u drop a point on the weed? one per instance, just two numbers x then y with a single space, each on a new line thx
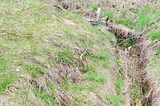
130 42
5 76
115 101
79 88
92 88
135 93
104 54
65 55
47 98
109 14
33 69
144 90
143 18
95 7
97 77
158 50
105 64
119 84
90 69
127 22
92 57
94 75
67 84
76 18
6 80
123 13
154 35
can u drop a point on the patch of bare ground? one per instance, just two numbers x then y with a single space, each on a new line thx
4 100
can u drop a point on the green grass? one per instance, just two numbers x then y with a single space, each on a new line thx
27 31
135 93
97 77
154 35
155 63
7 72
143 18
115 101
109 14
123 13
119 84
34 69
147 18
65 55
35 39
47 98
127 22
94 6
22 37
79 88
6 80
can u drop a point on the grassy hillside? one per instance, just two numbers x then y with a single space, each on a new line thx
52 57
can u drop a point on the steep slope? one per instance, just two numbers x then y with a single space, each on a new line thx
55 58
50 55
142 16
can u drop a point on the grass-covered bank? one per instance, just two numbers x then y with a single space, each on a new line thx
54 58
142 16
51 56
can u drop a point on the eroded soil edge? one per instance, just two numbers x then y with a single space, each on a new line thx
141 88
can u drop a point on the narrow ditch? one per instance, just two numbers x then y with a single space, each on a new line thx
135 52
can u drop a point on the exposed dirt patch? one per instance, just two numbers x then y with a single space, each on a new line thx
5 100
68 22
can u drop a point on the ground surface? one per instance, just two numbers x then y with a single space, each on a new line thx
50 55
